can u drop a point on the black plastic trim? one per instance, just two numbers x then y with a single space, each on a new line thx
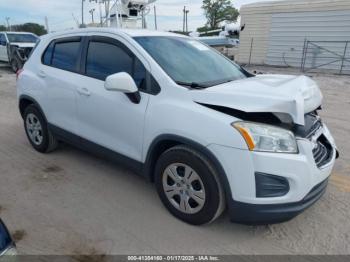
96 149
26 97
267 185
254 214
134 97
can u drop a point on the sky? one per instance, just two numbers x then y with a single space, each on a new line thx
60 13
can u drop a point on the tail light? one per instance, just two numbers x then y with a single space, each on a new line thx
19 71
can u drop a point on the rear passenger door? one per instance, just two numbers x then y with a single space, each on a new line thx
59 71
109 118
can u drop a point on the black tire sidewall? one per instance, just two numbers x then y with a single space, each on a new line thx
45 143
210 208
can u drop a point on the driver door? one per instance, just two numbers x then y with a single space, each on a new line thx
109 118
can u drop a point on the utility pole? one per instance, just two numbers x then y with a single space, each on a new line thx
184 17
187 11
8 23
47 24
100 11
92 14
82 13
155 18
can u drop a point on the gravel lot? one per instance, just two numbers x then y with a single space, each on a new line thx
71 202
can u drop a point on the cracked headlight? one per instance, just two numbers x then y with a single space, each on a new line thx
267 138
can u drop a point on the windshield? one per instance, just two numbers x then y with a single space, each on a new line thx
189 62
21 38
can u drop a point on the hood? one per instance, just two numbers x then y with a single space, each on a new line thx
293 95
23 45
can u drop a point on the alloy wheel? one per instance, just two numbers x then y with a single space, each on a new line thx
34 129
184 188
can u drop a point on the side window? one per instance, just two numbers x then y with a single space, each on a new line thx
47 56
104 59
2 39
65 55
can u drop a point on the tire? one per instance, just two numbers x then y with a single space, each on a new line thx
15 64
199 198
39 136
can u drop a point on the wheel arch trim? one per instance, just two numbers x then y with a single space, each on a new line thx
34 102
177 140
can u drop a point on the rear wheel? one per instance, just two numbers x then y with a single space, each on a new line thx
188 186
37 131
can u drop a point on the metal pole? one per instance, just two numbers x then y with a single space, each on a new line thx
47 24
183 23
251 49
155 17
82 13
187 11
92 14
302 56
305 55
8 23
100 10
343 59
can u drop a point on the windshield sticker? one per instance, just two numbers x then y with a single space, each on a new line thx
199 46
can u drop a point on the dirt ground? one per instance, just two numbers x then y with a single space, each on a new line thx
71 202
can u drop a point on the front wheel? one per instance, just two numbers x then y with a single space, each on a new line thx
188 186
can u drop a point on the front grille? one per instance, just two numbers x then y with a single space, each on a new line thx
323 152
312 124
314 128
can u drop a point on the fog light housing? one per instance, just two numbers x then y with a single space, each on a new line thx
270 185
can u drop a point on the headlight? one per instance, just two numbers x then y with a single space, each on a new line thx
266 138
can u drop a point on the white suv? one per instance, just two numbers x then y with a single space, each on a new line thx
209 134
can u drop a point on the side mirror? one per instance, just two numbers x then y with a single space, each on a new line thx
123 82
3 43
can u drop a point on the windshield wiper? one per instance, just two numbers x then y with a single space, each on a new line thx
193 85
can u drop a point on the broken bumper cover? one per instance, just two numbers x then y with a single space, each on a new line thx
257 214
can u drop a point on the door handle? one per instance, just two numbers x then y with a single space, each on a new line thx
42 74
84 91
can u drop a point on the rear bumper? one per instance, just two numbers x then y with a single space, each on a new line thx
260 214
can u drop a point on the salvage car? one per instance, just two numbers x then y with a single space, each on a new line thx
15 48
7 246
210 135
